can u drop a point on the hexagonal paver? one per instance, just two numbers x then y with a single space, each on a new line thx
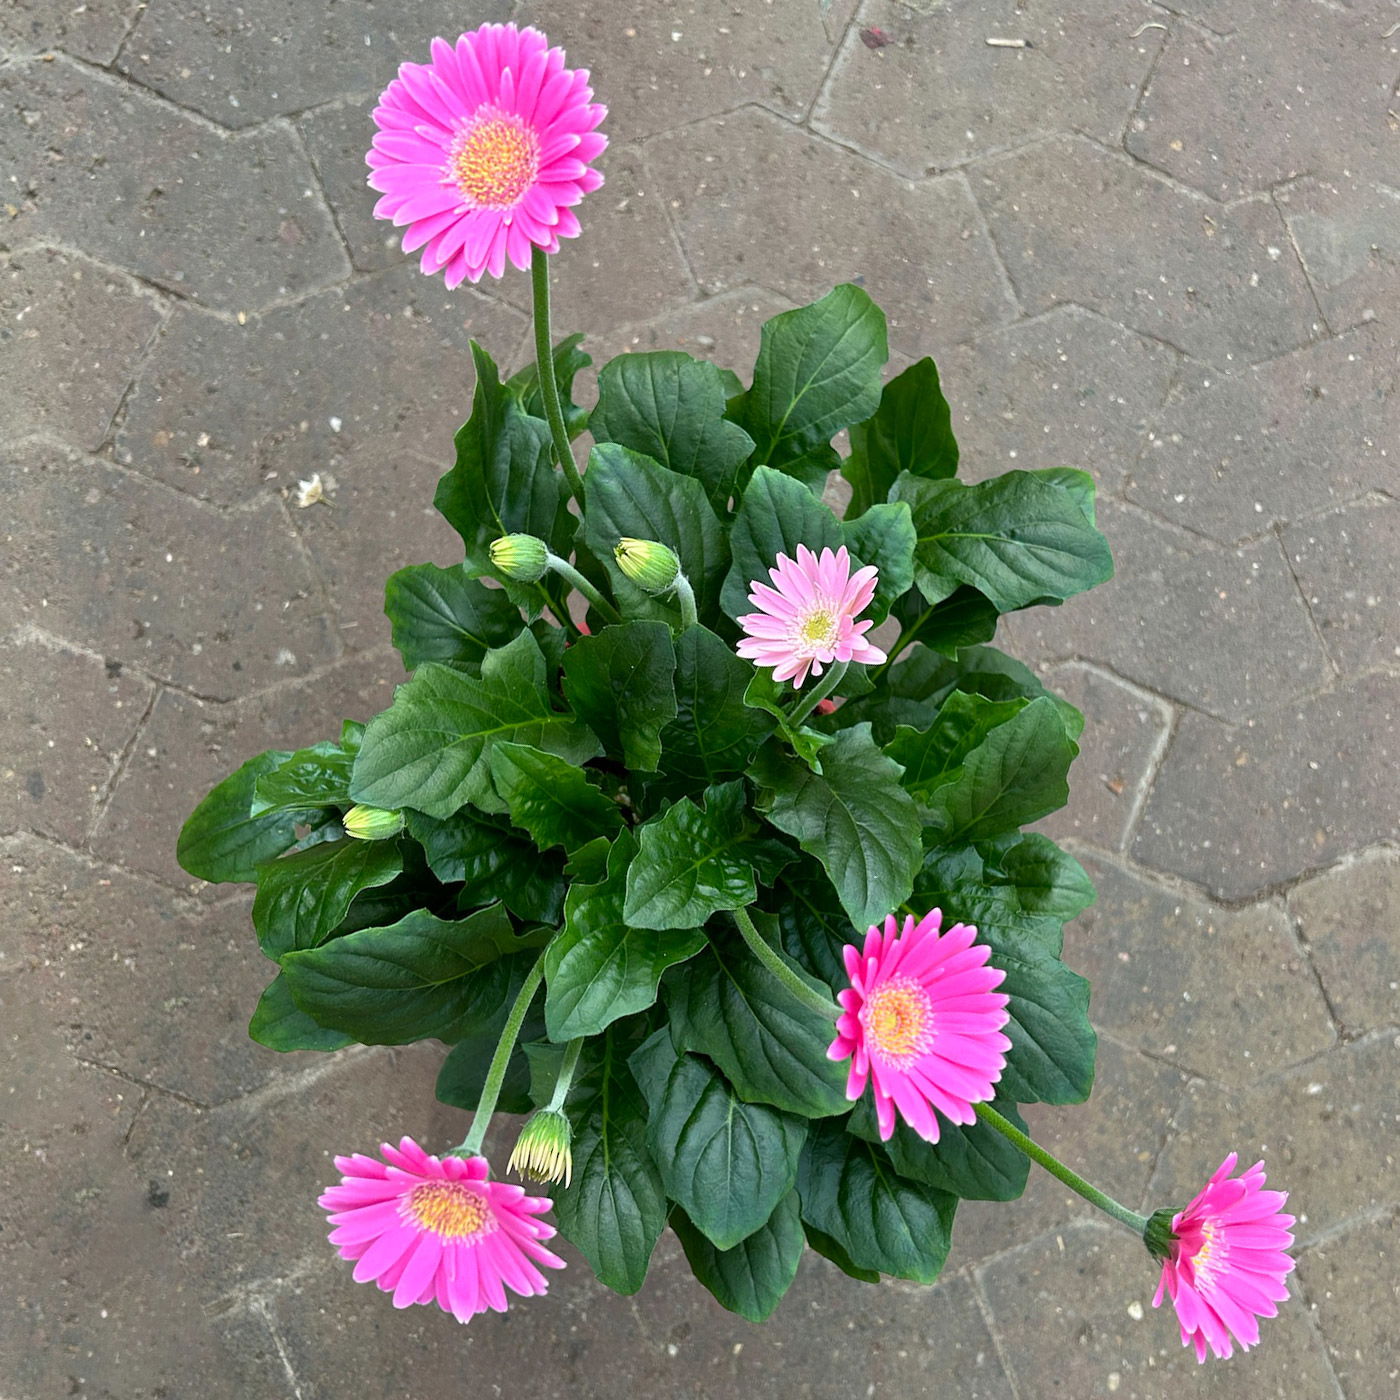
1325 78
73 334
1350 918
798 215
93 30
938 95
1233 454
227 411
221 603
1075 222
1240 809
67 719
1224 994
233 223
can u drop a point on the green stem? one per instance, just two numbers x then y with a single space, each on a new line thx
906 635
500 1061
686 595
1076 1183
809 996
544 364
562 1084
574 579
834 676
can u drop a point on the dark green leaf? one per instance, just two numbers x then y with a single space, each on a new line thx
751 1278
308 779
813 926
829 1249
446 615
621 684
568 361
589 864
550 797
934 756
1079 484
280 1024
222 841
1046 879
963 619
884 537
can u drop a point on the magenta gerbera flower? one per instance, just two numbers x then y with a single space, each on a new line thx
436 1230
922 1021
1226 1263
484 151
807 619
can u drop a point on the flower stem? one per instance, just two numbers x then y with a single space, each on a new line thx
809 996
834 676
544 365
574 579
906 635
1076 1183
565 1080
495 1075
686 596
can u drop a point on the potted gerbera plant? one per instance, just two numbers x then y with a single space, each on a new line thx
732 898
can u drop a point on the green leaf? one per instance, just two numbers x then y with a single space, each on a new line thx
853 816
222 841
670 407
771 1046
883 536
1079 484
280 1024
302 897
589 864
882 1222
621 684
813 926
911 431
1046 879
1016 538
568 360
818 371
411 981
601 966
829 1249
934 756
311 778
751 1278
725 1162
963 619
430 750
692 864
446 615
550 797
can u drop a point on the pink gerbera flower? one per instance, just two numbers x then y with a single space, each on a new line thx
483 151
807 619
1225 1263
436 1230
921 1019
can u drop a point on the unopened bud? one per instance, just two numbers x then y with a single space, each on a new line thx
520 557
1158 1236
543 1150
651 566
372 823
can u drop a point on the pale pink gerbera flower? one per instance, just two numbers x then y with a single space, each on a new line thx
922 1020
482 151
807 619
436 1230
1224 1264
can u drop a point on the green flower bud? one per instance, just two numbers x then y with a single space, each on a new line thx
1158 1236
543 1150
520 557
372 823
649 565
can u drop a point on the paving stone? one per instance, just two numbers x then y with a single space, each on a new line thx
228 412
1227 995
67 720
94 164
1327 1132
1065 389
93 30
798 215
1323 76
939 96
1348 566
1221 630
71 337
188 745
221 603
1239 809
1076 1319
1114 1138
1233 454
1348 233
1077 223
241 64
1351 920
1353 1283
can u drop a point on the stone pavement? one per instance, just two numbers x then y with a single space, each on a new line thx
1160 241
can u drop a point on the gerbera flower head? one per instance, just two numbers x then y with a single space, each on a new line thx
807 619
1224 1260
483 151
438 1230
922 1022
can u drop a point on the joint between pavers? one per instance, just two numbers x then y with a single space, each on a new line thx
106 447
118 771
1146 83
837 47
260 1307
137 15
319 184
1302 261
1299 1293
1145 1199
1008 286
329 606
1305 948
1302 595
989 1321
669 215
150 1088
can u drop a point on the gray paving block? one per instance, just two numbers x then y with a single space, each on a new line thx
66 721
1240 809
1351 920
74 335
220 603
1075 222
938 95
799 215
98 165
93 30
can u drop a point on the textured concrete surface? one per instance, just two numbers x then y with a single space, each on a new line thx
1161 242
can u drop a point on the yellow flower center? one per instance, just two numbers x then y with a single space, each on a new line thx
899 1020
818 629
495 160
451 1209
